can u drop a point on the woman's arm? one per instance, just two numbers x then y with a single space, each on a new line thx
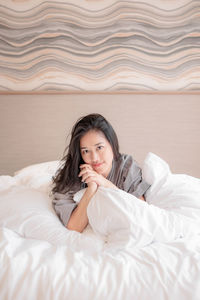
64 205
78 219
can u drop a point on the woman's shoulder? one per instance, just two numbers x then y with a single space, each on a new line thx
127 160
129 166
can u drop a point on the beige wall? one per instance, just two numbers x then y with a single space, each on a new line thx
33 128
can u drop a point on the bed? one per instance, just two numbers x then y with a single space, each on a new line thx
131 249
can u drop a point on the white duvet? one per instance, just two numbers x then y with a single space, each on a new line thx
130 250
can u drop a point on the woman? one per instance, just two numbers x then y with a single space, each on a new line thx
93 160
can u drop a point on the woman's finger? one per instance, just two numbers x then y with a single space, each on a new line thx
87 174
84 171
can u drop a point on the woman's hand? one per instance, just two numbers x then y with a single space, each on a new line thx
90 176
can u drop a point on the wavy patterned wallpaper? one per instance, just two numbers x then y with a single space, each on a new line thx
99 45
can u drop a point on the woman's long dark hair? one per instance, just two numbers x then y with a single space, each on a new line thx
67 176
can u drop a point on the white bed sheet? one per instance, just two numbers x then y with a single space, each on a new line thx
117 256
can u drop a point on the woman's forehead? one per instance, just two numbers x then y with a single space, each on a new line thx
92 138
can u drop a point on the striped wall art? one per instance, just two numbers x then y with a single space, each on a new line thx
99 45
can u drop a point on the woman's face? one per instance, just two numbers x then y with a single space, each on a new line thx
97 152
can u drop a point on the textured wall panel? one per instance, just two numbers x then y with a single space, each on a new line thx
99 45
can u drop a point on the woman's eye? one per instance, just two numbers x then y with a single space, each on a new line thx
85 151
100 147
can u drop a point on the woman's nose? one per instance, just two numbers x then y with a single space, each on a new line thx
94 156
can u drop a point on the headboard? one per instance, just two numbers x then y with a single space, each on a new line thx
34 128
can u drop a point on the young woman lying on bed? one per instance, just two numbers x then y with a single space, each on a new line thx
93 160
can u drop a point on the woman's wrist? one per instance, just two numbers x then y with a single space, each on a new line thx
92 187
109 184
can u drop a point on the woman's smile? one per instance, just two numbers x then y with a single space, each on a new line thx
97 165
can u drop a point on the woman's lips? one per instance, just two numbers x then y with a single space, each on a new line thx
97 165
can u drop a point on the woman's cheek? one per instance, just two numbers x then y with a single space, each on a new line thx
84 158
86 161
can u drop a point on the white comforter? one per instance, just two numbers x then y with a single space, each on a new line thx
130 250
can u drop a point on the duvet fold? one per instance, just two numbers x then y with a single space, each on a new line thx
122 220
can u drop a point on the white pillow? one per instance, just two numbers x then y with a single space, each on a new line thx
45 167
176 192
38 176
6 182
21 206
29 213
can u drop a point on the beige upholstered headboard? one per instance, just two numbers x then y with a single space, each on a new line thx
33 128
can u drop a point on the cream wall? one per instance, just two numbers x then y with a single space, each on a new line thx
33 128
